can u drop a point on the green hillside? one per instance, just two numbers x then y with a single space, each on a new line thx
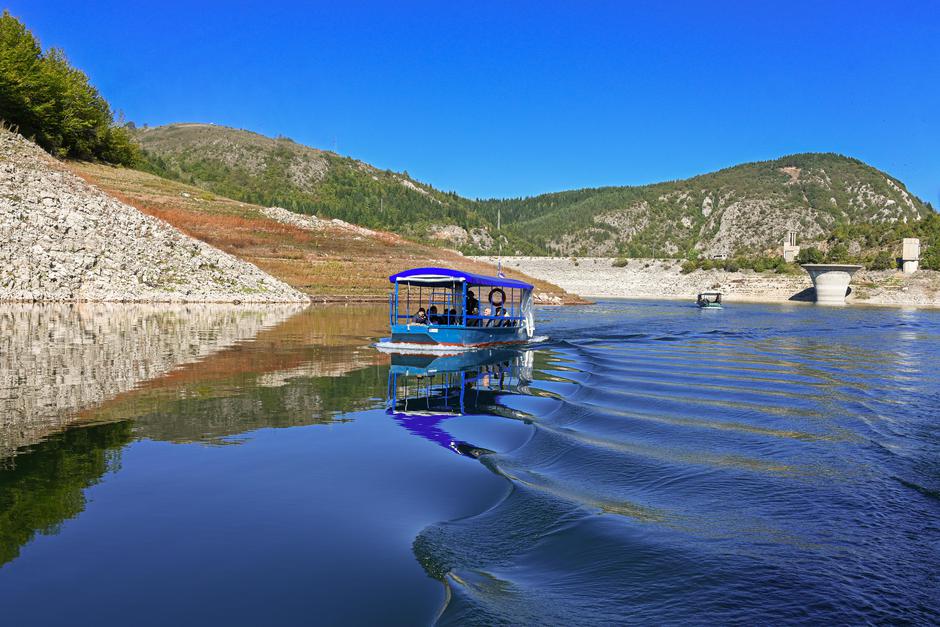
743 210
280 172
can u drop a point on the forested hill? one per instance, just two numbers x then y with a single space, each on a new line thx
744 209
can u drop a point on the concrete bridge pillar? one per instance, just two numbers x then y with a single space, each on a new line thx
831 281
910 255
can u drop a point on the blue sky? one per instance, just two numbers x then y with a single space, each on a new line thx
496 99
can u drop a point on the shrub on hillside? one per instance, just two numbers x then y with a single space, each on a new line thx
884 260
930 257
810 255
620 263
48 100
838 253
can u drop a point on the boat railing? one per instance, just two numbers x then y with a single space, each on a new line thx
472 321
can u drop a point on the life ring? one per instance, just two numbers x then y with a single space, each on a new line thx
502 294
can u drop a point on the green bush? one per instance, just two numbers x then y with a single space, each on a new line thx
48 100
760 264
930 257
810 255
620 263
688 266
838 253
884 260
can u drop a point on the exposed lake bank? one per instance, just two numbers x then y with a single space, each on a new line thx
596 277
327 260
65 240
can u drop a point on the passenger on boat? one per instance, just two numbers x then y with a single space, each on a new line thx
473 308
420 317
498 312
433 317
487 312
452 316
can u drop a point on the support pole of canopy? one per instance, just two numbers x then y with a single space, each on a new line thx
464 308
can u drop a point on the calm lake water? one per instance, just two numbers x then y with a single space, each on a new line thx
649 463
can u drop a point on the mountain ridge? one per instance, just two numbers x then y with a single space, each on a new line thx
743 209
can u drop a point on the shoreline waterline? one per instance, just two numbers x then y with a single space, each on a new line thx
596 278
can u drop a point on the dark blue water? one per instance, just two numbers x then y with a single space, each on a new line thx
650 463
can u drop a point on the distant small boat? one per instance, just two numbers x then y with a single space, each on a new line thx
709 300
440 308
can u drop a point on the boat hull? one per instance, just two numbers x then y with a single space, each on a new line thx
457 336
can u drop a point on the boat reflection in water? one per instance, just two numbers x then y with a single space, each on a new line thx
424 391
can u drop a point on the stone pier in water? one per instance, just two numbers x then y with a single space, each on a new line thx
831 281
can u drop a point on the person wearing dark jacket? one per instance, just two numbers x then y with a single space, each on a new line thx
420 317
473 309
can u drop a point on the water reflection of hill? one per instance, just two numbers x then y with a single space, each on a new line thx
47 486
57 360
60 365
302 371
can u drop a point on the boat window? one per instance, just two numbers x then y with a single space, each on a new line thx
445 304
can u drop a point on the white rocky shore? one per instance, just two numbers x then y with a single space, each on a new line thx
62 239
596 277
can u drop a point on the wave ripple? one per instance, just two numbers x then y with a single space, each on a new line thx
767 464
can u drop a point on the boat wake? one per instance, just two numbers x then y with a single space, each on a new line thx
386 346
409 347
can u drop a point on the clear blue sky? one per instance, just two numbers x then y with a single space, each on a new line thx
510 98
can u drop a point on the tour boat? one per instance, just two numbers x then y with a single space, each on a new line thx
439 308
709 300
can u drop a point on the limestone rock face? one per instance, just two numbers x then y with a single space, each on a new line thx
62 239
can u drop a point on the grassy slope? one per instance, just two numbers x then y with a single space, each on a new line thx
332 264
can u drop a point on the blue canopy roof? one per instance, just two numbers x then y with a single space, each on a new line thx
446 276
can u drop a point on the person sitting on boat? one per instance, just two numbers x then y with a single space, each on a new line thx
452 316
500 312
433 316
487 312
473 308
420 317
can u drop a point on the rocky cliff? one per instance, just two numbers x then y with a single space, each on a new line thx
62 239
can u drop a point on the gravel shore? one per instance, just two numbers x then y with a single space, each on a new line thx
65 240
